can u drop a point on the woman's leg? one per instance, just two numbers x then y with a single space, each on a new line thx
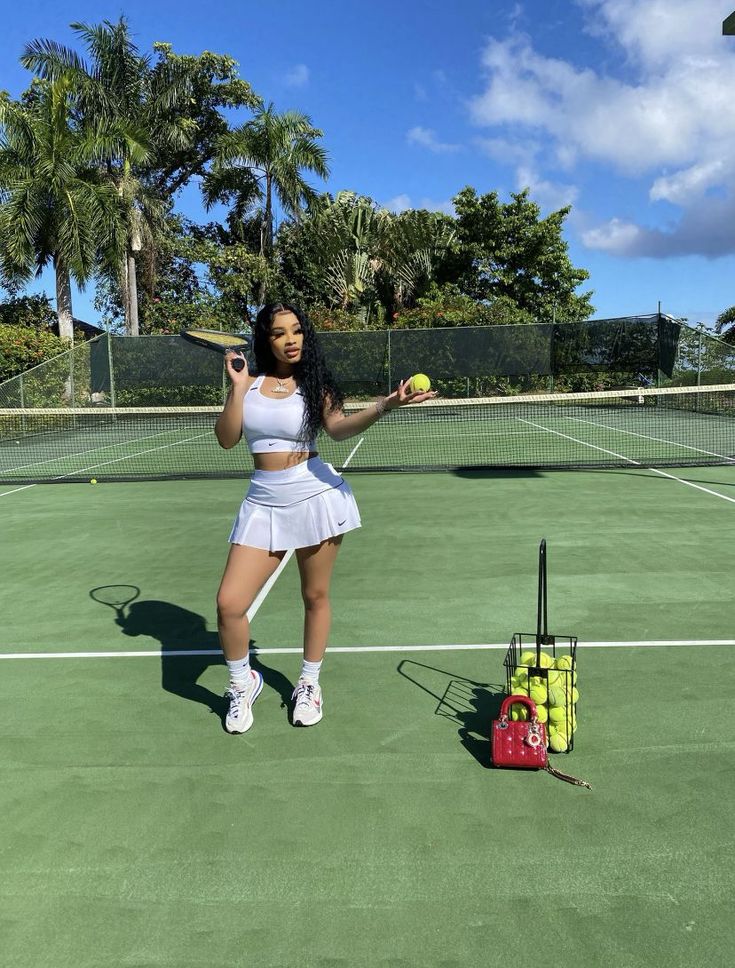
315 568
246 571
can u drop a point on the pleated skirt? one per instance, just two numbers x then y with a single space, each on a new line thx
296 508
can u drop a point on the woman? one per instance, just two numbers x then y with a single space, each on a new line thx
295 500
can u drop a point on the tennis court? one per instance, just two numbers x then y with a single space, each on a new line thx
137 832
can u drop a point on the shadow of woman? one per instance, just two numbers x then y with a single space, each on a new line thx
188 649
469 704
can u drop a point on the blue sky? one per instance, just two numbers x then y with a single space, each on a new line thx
623 108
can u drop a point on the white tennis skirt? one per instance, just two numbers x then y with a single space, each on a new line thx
296 508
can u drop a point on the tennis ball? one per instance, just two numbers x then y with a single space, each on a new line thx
518 712
93 481
538 693
552 676
521 674
528 658
557 714
420 383
557 743
575 695
545 660
542 713
563 662
557 695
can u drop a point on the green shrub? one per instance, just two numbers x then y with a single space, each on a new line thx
22 347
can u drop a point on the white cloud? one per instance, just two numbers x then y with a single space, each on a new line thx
548 194
691 182
298 76
401 203
667 117
706 229
426 138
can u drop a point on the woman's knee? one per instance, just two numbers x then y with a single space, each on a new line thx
315 598
231 606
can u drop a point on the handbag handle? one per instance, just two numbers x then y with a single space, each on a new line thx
512 700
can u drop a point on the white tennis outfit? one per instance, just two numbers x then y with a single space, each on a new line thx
298 507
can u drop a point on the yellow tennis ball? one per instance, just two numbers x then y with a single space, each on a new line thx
557 695
557 743
93 481
563 662
528 658
545 660
557 714
575 695
420 383
538 693
552 676
521 674
518 712
542 713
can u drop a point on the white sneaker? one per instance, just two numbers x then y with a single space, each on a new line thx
307 710
239 717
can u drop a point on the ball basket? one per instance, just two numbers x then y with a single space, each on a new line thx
544 668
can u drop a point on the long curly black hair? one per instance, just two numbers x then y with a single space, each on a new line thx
313 377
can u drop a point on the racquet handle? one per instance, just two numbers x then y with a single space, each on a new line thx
238 364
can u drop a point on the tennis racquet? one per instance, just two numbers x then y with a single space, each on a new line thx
220 342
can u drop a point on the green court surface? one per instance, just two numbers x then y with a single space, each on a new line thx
136 832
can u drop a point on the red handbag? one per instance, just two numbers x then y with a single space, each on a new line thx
522 744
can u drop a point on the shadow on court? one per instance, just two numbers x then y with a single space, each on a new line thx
188 649
496 473
470 704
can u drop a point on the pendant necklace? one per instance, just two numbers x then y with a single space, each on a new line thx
280 387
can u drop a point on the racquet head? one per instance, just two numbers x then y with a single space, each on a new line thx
220 342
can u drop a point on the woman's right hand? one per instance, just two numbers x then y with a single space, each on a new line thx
241 377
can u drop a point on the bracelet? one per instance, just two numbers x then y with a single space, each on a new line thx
380 406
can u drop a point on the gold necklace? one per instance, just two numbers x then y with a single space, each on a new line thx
281 385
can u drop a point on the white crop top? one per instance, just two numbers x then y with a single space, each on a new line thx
269 424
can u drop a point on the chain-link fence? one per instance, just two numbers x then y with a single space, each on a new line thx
480 361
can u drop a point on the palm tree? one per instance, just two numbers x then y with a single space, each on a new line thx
53 205
725 325
130 111
262 160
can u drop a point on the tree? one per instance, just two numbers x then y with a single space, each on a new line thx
508 250
263 160
53 205
159 123
725 325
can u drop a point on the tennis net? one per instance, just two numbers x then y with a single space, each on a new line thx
652 427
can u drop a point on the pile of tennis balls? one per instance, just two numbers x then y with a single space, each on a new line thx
555 697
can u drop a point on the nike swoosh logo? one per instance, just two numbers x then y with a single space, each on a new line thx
340 523
273 444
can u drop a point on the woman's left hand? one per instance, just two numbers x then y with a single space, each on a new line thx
402 396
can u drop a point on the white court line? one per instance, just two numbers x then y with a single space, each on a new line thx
660 440
92 450
482 647
653 470
92 467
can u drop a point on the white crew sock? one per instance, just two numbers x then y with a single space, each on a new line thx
310 670
239 672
